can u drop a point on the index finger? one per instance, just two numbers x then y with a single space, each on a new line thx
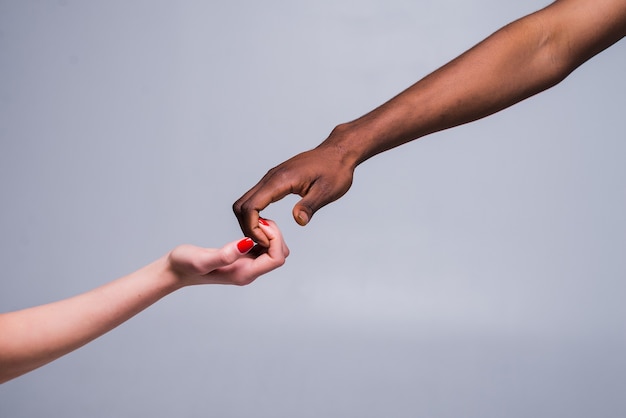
274 256
247 208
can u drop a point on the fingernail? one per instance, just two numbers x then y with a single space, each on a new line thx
303 218
245 245
262 221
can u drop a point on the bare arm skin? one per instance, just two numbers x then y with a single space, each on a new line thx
524 58
36 336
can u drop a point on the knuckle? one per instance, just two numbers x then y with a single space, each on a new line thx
198 265
279 262
226 257
280 175
246 207
249 205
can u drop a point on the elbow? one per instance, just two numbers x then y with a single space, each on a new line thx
549 60
557 53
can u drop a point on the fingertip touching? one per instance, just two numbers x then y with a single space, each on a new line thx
277 250
265 228
259 236
249 222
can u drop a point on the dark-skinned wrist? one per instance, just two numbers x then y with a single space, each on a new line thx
347 144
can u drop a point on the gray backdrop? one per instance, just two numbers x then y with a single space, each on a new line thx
478 272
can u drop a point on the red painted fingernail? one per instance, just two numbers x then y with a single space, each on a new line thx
245 245
262 221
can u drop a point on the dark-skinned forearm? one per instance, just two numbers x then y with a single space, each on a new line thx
518 61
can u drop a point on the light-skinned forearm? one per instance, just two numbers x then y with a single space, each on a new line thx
520 60
36 336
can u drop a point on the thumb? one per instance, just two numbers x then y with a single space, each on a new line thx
322 192
244 245
304 210
302 214
227 255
